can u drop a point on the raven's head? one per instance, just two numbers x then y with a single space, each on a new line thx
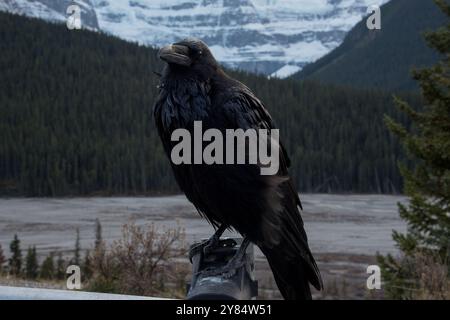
190 54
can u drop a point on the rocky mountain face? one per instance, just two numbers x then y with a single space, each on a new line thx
52 10
274 37
383 58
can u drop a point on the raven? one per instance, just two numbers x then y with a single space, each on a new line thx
264 209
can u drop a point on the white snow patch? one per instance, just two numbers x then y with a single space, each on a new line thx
285 71
289 32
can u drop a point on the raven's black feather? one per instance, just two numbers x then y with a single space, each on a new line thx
264 208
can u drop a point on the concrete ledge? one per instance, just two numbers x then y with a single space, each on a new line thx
23 293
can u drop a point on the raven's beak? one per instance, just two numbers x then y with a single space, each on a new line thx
176 54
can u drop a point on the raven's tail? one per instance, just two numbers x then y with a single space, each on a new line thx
291 260
292 276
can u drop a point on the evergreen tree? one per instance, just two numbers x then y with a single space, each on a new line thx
87 266
2 259
76 257
15 262
98 234
60 273
48 267
427 185
31 263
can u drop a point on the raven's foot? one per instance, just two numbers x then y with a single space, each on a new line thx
213 242
237 261
232 266
227 271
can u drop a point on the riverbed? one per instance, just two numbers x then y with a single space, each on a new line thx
350 224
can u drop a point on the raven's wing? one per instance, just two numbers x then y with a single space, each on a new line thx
242 109
247 111
175 109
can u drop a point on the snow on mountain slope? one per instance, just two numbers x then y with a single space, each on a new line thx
51 10
268 36
285 71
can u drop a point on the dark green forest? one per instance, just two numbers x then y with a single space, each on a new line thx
76 119
382 58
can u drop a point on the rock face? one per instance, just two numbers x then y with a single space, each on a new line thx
52 10
383 59
267 36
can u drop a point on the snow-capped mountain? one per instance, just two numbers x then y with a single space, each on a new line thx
52 10
274 37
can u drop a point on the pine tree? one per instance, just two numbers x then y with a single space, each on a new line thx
60 273
2 259
15 262
98 234
48 267
428 184
76 257
31 263
87 266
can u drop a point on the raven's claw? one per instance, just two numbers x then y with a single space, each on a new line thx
213 242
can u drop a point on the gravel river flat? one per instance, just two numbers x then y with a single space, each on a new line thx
345 231
351 224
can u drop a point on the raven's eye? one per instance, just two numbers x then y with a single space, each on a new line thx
200 52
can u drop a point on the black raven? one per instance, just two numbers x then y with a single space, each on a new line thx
263 208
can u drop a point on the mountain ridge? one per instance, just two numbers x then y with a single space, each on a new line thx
272 37
382 58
